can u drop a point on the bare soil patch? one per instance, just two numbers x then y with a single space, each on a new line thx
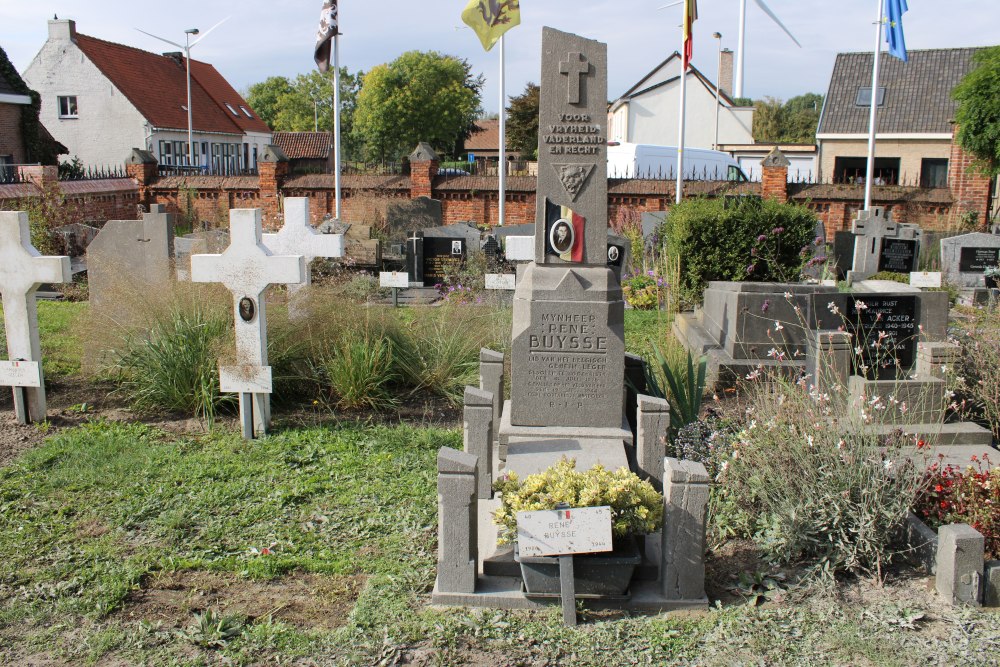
304 600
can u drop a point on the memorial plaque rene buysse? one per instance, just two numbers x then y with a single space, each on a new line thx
977 260
898 255
885 330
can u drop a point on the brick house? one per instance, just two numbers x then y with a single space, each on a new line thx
915 117
18 118
101 99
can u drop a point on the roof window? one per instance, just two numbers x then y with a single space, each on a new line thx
864 98
246 112
230 107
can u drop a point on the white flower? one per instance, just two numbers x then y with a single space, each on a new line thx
887 463
841 444
809 439
778 327
861 305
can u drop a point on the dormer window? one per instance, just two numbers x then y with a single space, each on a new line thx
230 107
67 106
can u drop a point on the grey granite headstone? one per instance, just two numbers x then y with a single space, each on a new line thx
210 242
568 352
964 258
130 254
882 245
408 215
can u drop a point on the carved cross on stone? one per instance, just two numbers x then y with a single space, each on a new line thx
247 268
22 271
574 67
875 222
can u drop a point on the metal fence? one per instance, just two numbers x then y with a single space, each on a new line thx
9 173
222 169
68 172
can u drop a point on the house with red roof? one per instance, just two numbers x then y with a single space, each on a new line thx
101 99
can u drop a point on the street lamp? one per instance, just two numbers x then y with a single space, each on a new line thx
718 85
188 45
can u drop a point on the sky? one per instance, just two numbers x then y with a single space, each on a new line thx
276 37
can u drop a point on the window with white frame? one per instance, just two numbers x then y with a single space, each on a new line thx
67 106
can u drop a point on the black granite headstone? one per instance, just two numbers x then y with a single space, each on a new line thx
441 257
977 260
885 330
843 252
898 255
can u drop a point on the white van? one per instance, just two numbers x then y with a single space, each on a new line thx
626 160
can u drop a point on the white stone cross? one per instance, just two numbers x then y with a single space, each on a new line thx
247 268
22 271
298 237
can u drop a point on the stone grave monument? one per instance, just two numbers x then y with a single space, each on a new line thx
247 268
567 396
965 258
22 271
131 255
882 245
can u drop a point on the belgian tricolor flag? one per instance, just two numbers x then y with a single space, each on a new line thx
563 232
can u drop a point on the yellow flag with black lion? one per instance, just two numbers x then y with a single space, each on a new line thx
491 19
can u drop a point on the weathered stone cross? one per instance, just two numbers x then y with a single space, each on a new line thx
22 271
575 67
298 237
247 268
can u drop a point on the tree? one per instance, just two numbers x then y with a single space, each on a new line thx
420 96
793 121
307 103
978 114
522 122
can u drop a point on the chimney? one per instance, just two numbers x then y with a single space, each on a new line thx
62 29
176 56
726 72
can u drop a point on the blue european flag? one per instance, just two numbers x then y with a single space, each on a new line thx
894 10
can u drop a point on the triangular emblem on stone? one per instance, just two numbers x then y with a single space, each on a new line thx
573 177
573 282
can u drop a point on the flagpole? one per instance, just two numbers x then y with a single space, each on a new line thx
336 123
502 164
872 116
680 136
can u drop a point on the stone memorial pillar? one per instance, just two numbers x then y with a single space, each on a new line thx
457 522
477 436
491 379
22 271
685 496
959 564
568 330
829 360
935 359
653 420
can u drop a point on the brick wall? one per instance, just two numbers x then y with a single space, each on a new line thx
91 202
10 132
969 187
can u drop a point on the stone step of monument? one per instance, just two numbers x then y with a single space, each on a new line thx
688 330
959 456
528 457
509 433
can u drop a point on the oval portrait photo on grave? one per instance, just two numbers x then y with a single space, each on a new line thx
561 236
613 254
247 309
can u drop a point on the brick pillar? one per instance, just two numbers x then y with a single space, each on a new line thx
272 168
774 179
41 176
970 188
423 168
142 166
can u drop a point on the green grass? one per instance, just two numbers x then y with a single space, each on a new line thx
61 349
344 500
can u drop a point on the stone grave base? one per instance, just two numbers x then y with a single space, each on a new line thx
498 581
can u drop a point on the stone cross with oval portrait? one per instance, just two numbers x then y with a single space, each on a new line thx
22 271
247 268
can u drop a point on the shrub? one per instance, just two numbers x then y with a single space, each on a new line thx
749 239
682 386
636 507
972 496
642 291
891 275
812 487
977 378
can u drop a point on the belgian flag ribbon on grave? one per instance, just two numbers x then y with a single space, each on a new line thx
565 243
491 19
328 28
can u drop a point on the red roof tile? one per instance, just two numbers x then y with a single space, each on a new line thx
157 86
309 145
486 138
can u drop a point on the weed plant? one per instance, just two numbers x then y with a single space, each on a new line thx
978 378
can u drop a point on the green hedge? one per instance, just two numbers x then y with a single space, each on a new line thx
748 239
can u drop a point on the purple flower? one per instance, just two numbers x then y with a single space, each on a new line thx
650 274
751 268
764 307
818 241
762 238
777 230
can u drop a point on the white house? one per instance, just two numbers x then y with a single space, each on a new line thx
647 113
101 99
